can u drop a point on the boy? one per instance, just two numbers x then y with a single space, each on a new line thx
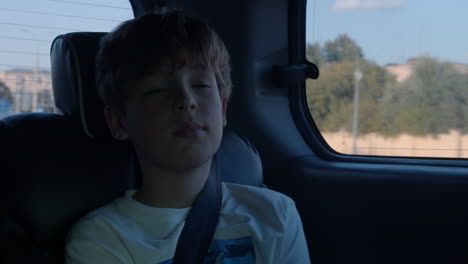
165 81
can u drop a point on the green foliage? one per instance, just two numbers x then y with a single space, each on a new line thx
433 100
435 95
343 48
330 95
5 92
314 53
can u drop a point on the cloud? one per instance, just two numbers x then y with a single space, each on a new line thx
345 5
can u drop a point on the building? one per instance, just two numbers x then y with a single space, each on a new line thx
31 90
403 71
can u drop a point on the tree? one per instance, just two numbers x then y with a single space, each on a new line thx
315 54
343 48
331 97
432 101
5 92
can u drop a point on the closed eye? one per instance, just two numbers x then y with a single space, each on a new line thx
202 85
154 92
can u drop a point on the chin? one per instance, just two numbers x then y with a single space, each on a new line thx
189 158
190 162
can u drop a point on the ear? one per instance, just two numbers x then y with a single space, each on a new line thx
115 123
224 102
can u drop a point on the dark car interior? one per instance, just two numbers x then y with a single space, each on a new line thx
354 208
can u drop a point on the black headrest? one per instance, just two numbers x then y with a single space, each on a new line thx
73 60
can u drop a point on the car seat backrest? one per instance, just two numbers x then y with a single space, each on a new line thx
58 167
55 174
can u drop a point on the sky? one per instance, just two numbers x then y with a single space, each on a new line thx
24 32
392 31
389 31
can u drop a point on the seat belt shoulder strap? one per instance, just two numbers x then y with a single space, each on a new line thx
201 221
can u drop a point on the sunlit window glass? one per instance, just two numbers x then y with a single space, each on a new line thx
27 29
393 76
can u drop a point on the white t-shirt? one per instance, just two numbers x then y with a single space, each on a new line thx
256 225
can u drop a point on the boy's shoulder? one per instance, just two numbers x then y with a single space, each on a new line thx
96 221
247 192
255 201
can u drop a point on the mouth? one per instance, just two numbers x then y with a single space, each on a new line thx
189 130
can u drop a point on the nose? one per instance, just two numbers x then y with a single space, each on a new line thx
185 100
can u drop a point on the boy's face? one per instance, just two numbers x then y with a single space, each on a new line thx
173 118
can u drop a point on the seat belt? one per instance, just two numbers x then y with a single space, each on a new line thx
201 221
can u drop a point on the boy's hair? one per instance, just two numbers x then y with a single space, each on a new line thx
142 46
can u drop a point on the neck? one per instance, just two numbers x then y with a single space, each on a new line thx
169 189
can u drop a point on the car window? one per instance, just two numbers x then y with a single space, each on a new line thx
393 76
27 29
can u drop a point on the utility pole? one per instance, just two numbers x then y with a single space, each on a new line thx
36 80
460 124
357 79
